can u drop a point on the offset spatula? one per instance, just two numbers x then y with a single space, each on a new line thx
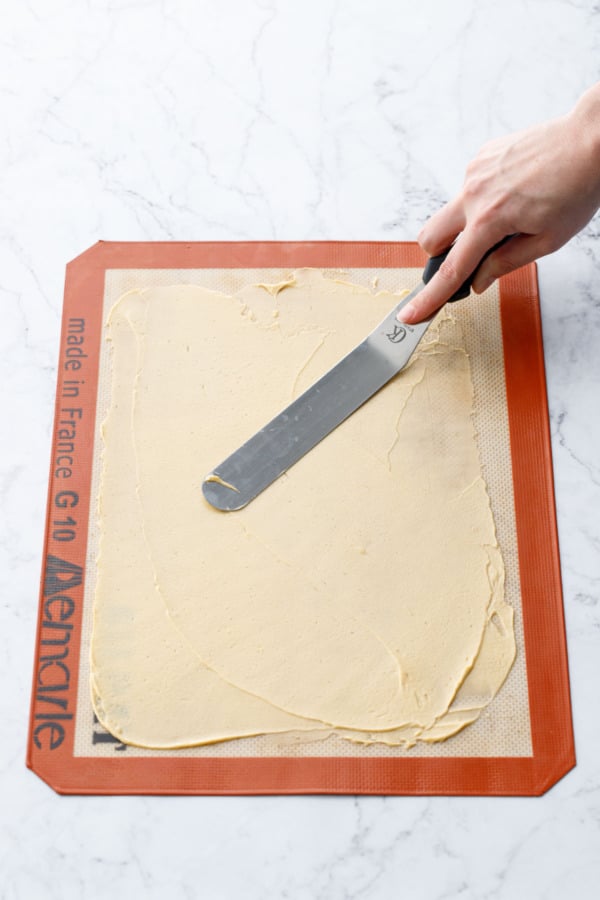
283 441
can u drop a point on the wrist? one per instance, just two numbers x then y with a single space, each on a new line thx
585 116
584 139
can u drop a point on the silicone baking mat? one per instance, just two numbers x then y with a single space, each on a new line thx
522 744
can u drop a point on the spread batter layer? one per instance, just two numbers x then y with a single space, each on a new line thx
362 594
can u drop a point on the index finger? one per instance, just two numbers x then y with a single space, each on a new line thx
462 260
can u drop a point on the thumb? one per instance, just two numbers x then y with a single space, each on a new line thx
520 250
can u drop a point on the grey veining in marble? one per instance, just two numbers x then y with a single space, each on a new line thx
196 120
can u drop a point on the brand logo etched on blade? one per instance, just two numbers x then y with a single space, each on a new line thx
397 335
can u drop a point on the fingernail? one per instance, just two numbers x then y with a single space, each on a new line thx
406 313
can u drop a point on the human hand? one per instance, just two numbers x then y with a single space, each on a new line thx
541 185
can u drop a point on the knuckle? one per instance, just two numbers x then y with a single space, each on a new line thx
473 186
425 240
449 272
478 160
490 215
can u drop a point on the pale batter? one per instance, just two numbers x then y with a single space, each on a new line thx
362 592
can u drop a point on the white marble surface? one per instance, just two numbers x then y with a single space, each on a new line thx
197 119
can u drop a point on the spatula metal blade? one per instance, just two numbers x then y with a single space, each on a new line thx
312 416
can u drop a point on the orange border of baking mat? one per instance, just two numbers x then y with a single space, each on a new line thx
54 694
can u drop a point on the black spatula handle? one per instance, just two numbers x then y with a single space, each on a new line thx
434 262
